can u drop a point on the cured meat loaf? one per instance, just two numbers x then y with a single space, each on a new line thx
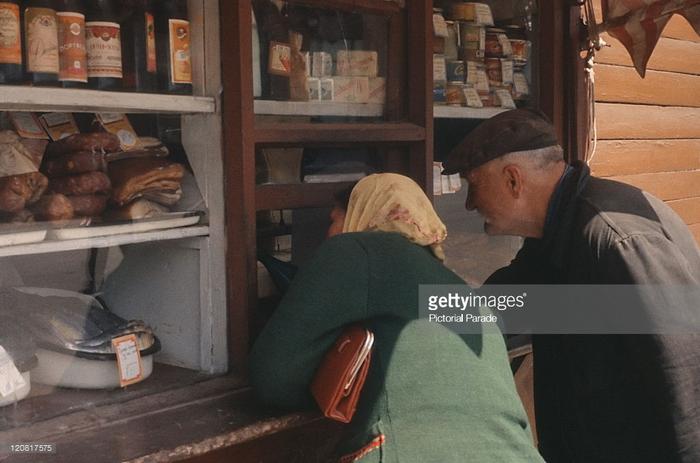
97 142
83 184
131 178
17 191
88 205
74 163
53 207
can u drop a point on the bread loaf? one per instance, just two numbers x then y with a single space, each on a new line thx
17 191
131 178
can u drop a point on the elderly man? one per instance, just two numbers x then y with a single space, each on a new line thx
598 398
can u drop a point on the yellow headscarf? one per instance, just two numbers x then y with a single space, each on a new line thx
394 203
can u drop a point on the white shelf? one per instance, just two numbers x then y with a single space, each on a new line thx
104 242
48 99
461 112
318 108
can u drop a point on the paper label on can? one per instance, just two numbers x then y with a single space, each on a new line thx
472 98
507 71
10 34
41 29
520 84
439 68
104 49
128 359
483 14
59 125
180 53
11 379
472 73
439 26
27 126
71 50
505 45
151 59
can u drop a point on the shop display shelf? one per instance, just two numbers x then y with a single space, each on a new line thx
45 99
461 112
318 108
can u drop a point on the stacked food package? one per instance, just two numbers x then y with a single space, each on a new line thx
476 64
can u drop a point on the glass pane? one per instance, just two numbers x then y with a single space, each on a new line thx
319 62
485 57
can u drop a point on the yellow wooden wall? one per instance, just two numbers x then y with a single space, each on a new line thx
649 129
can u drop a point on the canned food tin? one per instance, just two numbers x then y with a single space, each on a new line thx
497 44
478 13
521 51
453 93
455 71
494 71
439 95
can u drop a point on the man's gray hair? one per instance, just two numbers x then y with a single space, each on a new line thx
539 159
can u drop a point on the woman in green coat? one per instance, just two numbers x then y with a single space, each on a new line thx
431 395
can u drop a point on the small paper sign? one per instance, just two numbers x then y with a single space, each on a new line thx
437 178
505 98
27 126
455 183
471 96
482 81
505 45
119 125
506 71
59 125
483 14
439 26
128 359
520 83
11 379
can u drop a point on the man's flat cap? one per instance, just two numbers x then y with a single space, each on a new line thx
508 132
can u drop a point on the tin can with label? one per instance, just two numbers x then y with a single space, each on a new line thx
521 51
455 71
454 93
497 44
439 96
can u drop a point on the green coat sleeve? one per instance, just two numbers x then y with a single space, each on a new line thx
330 292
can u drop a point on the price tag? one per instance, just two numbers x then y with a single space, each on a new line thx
27 126
483 14
59 125
11 379
505 45
119 125
471 96
505 98
439 26
455 183
445 181
128 359
507 71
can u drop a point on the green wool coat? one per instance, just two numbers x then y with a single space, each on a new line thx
435 396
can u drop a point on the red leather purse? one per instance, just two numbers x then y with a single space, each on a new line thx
340 376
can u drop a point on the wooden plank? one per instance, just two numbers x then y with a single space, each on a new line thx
460 112
318 108
679 28
294 134
621 84
628 157
626 121
695 230
293 196
688 209
669 55
666 185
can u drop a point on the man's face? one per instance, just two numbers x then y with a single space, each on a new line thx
490 193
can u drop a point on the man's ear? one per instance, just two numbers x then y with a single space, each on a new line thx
513 175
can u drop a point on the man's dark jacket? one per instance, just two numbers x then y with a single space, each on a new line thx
613 398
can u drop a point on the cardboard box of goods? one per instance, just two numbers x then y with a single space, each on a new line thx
314 86
357 63
350 89
377 90
322 64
